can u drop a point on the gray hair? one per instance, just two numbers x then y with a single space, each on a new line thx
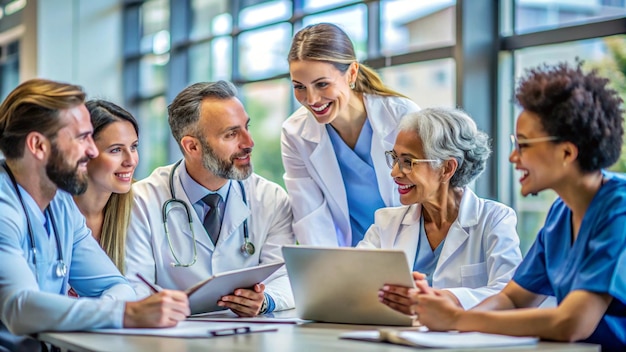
184 111
450 133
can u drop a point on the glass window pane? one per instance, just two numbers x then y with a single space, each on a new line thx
9 70
153 74
211 61
210 17
265 12
603 54
408 25
263 52
428 84
532 15
352 20
268 105
9 76
154 136
314 5
155 19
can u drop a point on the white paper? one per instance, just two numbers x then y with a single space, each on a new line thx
464 339
186 329
440 339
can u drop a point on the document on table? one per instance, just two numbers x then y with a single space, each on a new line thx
434 339
282 317
193 329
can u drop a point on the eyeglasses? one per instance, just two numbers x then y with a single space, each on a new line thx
405 163
518 144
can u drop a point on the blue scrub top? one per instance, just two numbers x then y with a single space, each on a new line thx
425 258
595 262
359 179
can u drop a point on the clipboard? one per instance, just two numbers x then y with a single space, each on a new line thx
203 296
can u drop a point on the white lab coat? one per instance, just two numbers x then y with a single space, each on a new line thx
313 177
148 252
480 253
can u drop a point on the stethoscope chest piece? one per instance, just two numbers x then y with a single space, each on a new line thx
247 249
61 269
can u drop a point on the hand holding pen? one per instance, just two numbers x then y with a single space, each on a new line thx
154 288
165 308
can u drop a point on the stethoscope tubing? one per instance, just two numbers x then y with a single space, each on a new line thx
61 269
247 248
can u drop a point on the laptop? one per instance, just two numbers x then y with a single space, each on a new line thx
340 285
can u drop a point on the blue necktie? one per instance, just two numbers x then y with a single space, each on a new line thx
212 221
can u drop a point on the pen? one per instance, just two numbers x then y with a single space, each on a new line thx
238 331
154 288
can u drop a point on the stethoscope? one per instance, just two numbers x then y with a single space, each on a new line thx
61 268
247 248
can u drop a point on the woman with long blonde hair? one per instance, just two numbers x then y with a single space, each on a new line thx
107 202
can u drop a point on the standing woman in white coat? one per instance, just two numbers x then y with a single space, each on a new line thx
333 146
463 246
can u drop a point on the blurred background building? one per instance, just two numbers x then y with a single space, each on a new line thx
464 53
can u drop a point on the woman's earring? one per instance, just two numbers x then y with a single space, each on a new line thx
352 85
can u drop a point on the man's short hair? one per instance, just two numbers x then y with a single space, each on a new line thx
34 107
184 111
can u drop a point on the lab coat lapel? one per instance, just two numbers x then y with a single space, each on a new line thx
383 139
459 231
202 238
326 166
407 235
235 212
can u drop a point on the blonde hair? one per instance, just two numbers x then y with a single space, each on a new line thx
118 207
329 43
115 226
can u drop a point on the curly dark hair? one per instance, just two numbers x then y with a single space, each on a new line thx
576 107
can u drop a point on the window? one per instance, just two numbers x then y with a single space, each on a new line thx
532 15
412 44
408 25
9 68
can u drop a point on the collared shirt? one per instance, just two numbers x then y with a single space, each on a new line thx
359 176
196 192
33 297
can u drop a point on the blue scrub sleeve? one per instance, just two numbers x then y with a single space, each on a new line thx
532 273
602 267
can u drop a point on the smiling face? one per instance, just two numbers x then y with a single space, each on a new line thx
225 139
322 88
70 151
538 162
423 183
112 171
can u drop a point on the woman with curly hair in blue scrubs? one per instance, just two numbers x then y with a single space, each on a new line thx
569 131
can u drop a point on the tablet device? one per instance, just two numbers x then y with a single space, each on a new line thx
340 285
204 295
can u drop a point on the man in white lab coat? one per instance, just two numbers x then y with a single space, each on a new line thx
211 127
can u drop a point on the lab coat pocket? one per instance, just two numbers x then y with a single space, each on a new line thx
311 225
474 275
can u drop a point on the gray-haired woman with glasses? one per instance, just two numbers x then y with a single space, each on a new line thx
464 246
